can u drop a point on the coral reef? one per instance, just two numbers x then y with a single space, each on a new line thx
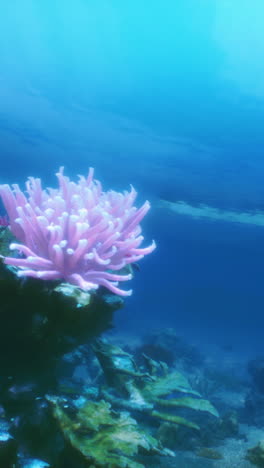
76 233
43 320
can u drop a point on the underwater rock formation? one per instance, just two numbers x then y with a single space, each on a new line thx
42 320
256 454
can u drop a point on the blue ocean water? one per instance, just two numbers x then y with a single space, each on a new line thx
167 96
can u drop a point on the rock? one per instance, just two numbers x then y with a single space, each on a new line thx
256 455
256 370
210 453
8 450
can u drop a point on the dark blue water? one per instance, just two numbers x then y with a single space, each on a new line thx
167 96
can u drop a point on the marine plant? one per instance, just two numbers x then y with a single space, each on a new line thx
101 436
153 390
76 233
110 424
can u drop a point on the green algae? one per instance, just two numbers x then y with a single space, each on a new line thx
148 390
103 436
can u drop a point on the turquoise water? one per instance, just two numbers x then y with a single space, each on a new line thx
167 96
